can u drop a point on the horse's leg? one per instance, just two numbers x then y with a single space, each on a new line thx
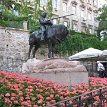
53 50
30 48
49 49
35 49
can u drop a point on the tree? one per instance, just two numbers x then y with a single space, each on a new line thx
77 42
26 11
102 19
7 14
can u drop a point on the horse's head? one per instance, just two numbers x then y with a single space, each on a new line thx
64 31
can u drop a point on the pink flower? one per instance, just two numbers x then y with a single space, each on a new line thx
30 87
25 103
33 98
48 98
13 94
40 101
7 100
53 101
20 93
7 95
40 96
16 102
12 98
21 98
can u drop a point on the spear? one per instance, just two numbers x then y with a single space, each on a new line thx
61 16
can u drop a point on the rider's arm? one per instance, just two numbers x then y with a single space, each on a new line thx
44 21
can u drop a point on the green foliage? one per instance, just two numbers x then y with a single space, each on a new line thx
77 42
26 11
71 45
33 25
91 41
104 43
49 8
102 18
8 18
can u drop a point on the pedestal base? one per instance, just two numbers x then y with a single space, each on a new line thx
56 70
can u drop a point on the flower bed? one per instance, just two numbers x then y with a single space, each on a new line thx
20 91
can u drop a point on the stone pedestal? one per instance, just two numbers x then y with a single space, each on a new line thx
56 70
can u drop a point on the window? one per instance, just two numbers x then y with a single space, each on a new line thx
83 27
95 17
95 2
31 1
95 14
89 16
82 13
74 10
66 23
42 2
82 1
90 1
90 29
64 7
54 4
75 26
95 30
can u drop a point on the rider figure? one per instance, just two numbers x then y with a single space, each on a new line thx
43 22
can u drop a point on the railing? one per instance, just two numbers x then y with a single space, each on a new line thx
96 98
11 64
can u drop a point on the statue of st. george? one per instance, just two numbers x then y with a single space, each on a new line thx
43 22
48 34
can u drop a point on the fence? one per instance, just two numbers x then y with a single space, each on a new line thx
96 98
11 64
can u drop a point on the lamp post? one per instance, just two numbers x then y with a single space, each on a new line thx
29 18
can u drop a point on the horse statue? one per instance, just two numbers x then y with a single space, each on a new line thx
54 34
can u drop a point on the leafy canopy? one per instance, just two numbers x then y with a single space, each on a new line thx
102 18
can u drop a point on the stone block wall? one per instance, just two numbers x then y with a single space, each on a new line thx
14 43
68 78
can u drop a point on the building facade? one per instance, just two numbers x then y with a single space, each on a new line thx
78 15
101 3
81 14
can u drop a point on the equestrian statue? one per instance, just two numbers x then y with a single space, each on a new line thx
47 34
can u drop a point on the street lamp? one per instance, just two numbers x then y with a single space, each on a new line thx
29 18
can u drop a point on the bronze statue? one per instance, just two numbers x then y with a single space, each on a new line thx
43 22
53 34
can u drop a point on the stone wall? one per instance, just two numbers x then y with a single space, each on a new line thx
14 43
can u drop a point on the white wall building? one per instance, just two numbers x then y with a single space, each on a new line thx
84 13
101 3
